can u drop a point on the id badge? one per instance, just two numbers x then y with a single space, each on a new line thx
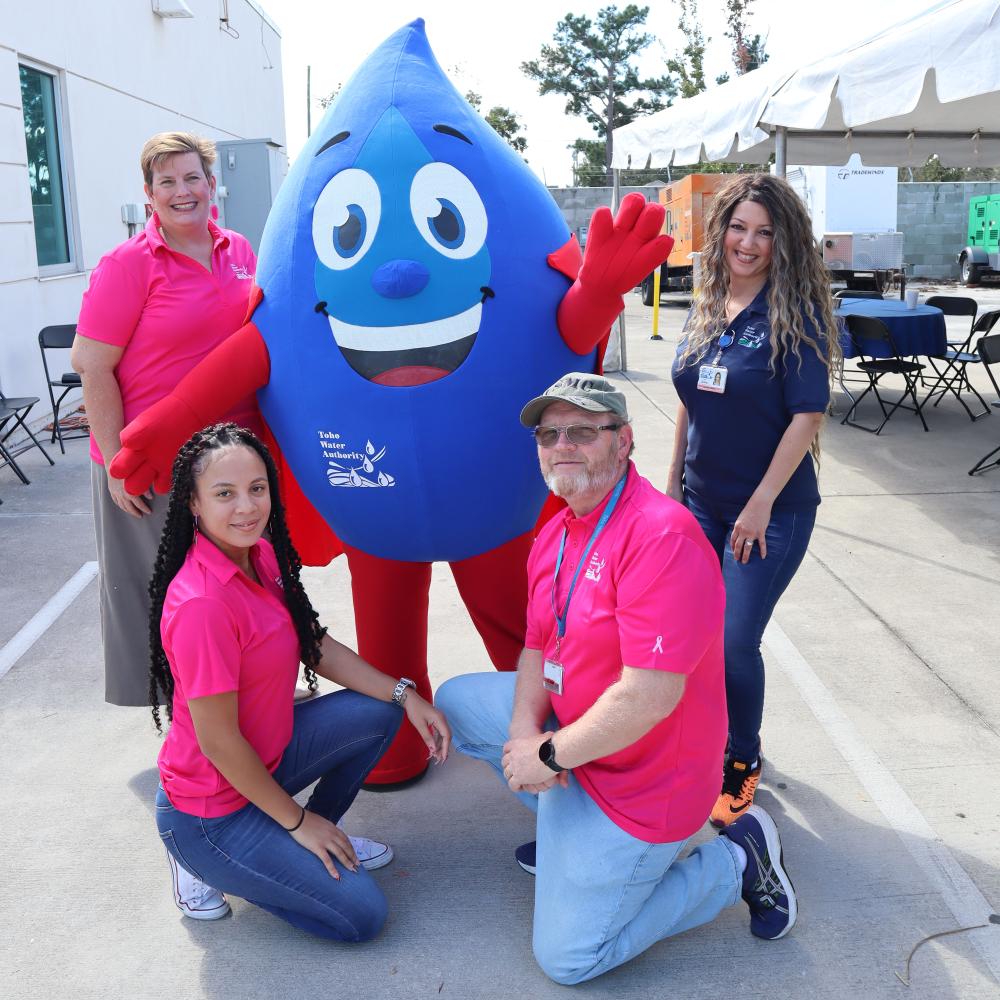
552 677
712 378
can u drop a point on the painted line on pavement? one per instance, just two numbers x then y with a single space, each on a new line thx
935 860
33 630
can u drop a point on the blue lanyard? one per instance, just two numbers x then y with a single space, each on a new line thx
605 517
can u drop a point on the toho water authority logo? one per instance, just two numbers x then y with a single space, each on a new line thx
349 467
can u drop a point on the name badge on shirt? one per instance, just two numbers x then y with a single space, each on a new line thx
712 378
552 677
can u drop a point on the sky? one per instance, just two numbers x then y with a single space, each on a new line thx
481 46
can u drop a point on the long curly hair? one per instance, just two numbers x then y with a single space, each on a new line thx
799 282
178 537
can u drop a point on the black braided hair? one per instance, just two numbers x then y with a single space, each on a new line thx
178 537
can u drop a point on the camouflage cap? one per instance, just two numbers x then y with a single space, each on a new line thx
588 391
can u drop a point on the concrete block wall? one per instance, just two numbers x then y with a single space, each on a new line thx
934 217
577 204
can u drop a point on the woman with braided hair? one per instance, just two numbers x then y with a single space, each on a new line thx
753 376
231 622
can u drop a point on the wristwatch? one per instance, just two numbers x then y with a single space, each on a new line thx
547 755
399 692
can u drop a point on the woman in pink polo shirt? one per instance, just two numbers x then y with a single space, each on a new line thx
230 624
156 305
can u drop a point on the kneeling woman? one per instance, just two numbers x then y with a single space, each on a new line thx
231 623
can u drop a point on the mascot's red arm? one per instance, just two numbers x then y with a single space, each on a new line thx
620 253
237 368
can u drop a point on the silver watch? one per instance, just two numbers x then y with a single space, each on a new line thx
399 691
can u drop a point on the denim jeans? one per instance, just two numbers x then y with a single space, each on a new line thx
752 591
336 739
601 895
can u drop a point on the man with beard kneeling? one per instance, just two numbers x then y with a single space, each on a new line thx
613 728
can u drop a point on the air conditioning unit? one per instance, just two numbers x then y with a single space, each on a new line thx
862 251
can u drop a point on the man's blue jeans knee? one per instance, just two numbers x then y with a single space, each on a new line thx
601 895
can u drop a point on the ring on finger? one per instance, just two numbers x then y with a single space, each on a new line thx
748 542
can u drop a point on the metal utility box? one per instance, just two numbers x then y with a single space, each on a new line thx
686 202
862 251
981 256
249 173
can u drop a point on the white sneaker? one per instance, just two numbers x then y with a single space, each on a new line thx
371 854
193 898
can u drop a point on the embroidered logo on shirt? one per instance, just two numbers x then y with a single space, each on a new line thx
241 272
658 645
753 336
349 467
594 568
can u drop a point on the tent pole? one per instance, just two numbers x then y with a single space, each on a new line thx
616 360
780 150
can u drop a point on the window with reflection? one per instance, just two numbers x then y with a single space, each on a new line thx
45 173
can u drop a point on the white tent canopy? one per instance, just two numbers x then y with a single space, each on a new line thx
928 85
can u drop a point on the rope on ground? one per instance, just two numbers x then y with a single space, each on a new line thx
905 977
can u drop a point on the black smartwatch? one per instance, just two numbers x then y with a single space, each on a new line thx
547 755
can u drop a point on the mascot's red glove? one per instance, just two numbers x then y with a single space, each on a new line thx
238 367
620 253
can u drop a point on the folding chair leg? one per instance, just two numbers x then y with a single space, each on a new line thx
8 459
19 422
985 463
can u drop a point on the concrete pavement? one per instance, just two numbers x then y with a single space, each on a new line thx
882 729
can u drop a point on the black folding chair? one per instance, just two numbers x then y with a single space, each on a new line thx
53 338
14 410
989 354
867 328
954 377
857 293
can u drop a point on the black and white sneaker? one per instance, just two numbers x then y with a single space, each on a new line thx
525 857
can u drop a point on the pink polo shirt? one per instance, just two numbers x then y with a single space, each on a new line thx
167 312
222 632
651 596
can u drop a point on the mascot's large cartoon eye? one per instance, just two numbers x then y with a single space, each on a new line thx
346 218
448 211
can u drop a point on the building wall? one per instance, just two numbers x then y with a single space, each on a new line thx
935 220
124 74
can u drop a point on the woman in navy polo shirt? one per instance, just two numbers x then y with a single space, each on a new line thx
753 377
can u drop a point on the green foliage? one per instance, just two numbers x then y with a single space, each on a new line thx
934 170
748 50
591 64
502 120
688 66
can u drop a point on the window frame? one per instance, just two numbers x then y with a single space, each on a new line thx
63 150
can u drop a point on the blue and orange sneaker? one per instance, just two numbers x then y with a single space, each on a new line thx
767 889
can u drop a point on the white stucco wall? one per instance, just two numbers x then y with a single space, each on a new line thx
124 73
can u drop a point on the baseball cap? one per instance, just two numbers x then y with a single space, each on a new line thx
586 390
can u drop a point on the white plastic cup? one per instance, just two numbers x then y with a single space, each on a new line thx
912 298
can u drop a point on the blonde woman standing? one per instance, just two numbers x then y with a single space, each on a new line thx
753 376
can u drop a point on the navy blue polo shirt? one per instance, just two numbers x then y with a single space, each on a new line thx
732 436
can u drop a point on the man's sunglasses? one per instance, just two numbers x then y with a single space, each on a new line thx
547 437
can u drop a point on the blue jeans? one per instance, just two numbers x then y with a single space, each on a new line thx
336 739
601 895
752 591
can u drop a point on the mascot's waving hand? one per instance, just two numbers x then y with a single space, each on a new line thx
416 284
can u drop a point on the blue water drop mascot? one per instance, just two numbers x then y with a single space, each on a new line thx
416 284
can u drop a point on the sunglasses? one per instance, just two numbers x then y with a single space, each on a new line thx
547 437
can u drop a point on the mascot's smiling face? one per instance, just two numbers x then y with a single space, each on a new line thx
402 267
408 311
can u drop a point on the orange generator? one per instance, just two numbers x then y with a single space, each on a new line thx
686 201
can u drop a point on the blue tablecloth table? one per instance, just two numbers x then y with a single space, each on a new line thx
919 331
